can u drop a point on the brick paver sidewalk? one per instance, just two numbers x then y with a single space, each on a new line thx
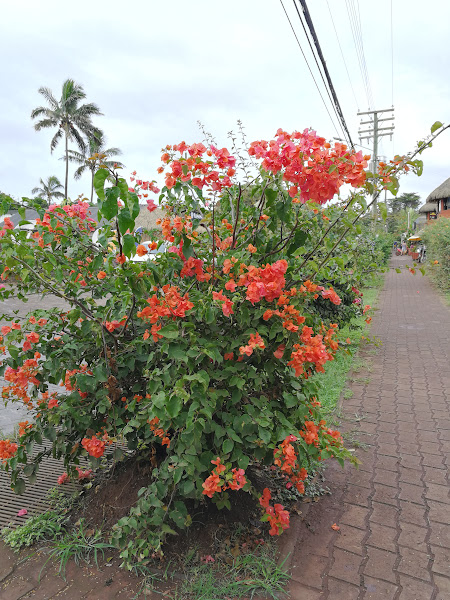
394 512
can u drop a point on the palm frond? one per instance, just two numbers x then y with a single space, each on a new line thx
112 152
56 138
48 95
54 183
72 93
75 135
37 190
75 157
89 110
45 124
80 171
42 110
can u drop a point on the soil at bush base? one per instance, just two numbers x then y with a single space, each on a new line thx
222 534
114 493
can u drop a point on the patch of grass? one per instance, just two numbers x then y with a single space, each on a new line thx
45 526
42 527
333 381
79 544
241 576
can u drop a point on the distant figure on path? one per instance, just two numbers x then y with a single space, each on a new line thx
404 248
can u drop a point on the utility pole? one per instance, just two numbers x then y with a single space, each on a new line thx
375 132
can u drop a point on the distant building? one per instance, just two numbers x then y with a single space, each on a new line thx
438 203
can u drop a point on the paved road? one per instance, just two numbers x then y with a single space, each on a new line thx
394 512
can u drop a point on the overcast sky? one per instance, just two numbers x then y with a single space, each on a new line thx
156 68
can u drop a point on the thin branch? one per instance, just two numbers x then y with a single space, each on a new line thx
237 215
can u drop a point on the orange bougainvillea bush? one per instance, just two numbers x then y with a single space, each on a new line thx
208 348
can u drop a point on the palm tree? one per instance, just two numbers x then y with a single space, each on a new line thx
72 120
49 190
94 155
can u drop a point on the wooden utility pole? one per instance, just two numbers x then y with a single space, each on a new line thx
375 132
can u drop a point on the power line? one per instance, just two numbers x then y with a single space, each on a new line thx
358 30
311 47
362 49
355 25
392 57
325 69
342 54
309 68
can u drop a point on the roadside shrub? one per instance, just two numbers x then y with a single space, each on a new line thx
201 359
437 239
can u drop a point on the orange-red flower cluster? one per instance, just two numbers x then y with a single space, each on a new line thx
215 484
285 457
315 170
113 325
165 440
23 426
94 446
20 379
70 373
255 341
227 304
7 449
194 266
215 172
276 515
332 296
171 305
264 282
312 350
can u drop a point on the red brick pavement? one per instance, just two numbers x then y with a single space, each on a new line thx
394 511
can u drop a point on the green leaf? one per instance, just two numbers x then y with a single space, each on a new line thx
210 315
298 240
125 221
133 204
188 251
110 208
177 352
271 196
236 381
397 270
169 331
128 244
123 187
19 486
50 433
227 446
99 182
383 210
174 405
437 125
187 487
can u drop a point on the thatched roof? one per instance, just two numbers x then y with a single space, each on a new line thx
428 207
442 191
148 219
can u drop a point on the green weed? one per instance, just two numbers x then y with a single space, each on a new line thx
79 544
243 576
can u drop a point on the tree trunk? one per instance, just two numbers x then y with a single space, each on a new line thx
67 165
92 186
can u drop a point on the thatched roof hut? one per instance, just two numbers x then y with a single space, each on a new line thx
442 191
438 202
147 219
428 207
